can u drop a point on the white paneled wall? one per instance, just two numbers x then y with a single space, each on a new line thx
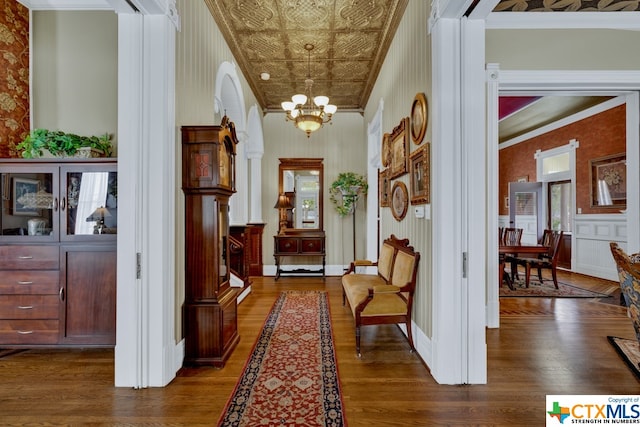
591 254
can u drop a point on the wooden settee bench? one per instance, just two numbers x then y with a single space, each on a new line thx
385 297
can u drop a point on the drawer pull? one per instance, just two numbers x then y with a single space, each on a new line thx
22 282
25 257
25 307
25 332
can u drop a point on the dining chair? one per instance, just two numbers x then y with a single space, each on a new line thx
629 276
511 237
547 261
507 236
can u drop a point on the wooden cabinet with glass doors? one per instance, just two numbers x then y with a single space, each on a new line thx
58 229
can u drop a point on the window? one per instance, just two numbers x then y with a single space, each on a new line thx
560 205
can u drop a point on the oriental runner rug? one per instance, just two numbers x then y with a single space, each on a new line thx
548 289
291 376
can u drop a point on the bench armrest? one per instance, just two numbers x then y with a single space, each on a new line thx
360 263
384 289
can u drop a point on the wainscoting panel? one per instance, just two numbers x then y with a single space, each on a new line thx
591 252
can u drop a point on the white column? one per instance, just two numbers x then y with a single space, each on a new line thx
493 275
146 352
255 193
459 349
238 202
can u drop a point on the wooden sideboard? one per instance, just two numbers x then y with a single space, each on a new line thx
58 231
298 243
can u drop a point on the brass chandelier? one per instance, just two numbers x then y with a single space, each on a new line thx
306 115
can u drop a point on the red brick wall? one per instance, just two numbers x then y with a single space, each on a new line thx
14 75
600 135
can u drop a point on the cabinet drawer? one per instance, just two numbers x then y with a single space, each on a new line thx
25 282
29 306
25 257
287 245
29 332
311 246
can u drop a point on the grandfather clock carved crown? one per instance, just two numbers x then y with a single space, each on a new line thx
208 180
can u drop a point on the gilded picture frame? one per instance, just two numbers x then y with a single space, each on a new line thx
399 150
420 175
385 150
608 177
419 118
384 188
399 200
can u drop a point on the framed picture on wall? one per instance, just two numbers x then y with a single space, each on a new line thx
399 150
419 118
419 169
609 181
384 188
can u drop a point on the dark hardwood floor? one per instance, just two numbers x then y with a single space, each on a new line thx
543 346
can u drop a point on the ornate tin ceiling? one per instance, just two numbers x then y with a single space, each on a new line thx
350 39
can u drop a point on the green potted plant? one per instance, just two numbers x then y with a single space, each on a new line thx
348 186
62 144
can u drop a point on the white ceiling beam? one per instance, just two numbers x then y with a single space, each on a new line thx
146 7
451 9
483 9
66 4
564 20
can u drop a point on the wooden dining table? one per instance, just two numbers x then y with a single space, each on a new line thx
523 248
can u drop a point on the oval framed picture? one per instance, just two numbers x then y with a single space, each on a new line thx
419 118
399 200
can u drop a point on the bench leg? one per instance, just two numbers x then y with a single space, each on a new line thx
410 335
358 340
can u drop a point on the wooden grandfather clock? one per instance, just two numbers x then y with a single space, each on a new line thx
208 180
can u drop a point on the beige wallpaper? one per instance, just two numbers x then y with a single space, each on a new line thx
342 145
200 49
563 49
75 72
407 71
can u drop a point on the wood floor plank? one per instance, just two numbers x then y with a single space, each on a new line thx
543 346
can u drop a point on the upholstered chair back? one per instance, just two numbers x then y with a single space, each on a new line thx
629 276
403 269
385 261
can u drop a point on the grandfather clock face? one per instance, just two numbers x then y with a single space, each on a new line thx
224 168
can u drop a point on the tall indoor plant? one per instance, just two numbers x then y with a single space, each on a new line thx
345 191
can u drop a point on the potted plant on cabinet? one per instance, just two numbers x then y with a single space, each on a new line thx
349 186
62 144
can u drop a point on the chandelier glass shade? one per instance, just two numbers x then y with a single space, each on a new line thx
309 113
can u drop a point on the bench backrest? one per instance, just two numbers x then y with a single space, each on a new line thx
385 262
400 262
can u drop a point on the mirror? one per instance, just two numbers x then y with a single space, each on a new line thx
300 182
